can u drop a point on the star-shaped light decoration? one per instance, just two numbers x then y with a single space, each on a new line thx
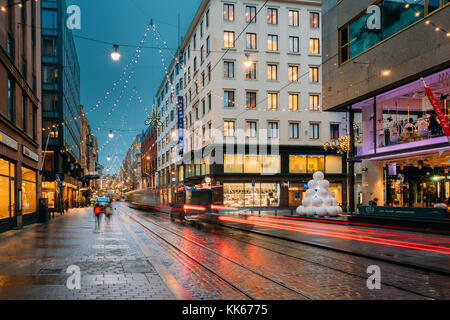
154 119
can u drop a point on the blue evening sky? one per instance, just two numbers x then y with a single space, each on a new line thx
124 22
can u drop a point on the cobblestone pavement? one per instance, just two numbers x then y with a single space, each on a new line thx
142 255
34 261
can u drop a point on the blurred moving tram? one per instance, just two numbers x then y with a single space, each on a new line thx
189 204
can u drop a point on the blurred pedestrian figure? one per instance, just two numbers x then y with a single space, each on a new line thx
108 212
97 212
66 204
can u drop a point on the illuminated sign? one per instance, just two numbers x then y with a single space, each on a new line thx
180 123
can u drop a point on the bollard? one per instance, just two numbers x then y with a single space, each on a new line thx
259 211
276 212
292 211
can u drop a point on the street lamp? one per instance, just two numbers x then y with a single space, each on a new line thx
111 134
115 55
247 62
108 158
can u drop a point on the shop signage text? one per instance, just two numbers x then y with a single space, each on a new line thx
8 141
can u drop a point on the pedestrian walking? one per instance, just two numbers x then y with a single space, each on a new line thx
108 212
97 212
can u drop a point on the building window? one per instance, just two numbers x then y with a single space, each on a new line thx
7 189
251 128
272 100
251 99
228 128
272 72
228 12
293 130
209 73
272 16
251 40
250 14
250 72
314 20
201 29
195 64
24 113
293 18
202 54
293 73
293 101
203 107
209 101
49 74
294 44
11 102
314 131
314 102
49 46
272 42
208 47
34 120
29 183
353 40
314 46
314 74
228 39
272 130
228 99
228 69
207 18
334 131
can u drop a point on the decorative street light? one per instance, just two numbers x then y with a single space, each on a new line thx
154 119
111 134
247 62
115 55
108 158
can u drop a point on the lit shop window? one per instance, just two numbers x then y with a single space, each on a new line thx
28 191
7 187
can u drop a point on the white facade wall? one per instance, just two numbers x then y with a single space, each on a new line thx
240 85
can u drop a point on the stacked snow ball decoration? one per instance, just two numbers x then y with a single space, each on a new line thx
319 199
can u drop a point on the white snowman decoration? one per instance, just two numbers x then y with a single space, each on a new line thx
319 199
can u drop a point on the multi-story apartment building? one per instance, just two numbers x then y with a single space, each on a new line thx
88 157
377 52
149 157
170 109
60 107
130 176
255 131
20 95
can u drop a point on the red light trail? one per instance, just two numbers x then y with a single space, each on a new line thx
341 235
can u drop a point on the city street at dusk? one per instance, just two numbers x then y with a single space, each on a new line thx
207 153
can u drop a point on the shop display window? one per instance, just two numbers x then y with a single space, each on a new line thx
249 195
7 189
333 164
29 194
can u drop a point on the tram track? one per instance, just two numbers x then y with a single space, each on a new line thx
278 282
236 287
